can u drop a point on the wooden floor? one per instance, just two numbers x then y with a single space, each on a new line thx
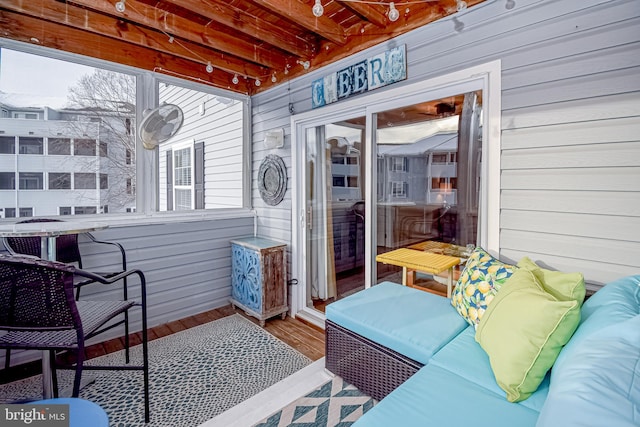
307 339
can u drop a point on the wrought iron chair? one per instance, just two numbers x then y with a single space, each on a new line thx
38 311
68 251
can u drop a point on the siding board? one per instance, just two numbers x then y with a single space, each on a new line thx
570 166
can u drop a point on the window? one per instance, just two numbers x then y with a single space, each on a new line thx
85 210
59 146
102 149
7 181
84 181
59 181
29 145
31 181
9 212
398 164
399 189
24 212
84 147
31 116
7 145
98 137
182 178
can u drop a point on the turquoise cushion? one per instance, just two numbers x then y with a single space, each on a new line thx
436 397
464 357
412 322
597 381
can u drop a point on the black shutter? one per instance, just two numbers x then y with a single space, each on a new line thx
169 180
198 174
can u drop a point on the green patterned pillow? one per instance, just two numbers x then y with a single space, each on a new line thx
482 277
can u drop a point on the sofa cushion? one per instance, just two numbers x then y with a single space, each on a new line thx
412 322
436 397
465 358
523 331
563 286
481 278
597 381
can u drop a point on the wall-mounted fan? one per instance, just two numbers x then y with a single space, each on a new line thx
160 124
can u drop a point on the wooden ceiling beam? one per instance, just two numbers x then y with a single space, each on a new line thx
31 30
300 13
178 26
85 19
239 20
367 11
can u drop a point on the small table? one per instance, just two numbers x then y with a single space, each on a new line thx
412 260
48 232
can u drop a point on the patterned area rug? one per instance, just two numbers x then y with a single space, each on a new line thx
334 404
195 374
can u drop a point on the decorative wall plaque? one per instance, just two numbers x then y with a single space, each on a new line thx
272 179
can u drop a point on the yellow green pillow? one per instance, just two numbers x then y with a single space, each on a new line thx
523 331
563 286
479 281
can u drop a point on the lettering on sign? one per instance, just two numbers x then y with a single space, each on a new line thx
372 73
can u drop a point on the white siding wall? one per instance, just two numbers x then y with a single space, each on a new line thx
570 187
221 129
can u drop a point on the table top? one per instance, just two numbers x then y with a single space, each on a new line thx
418 260
442 248
49 229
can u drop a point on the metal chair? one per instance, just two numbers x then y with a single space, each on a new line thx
68 251
38 311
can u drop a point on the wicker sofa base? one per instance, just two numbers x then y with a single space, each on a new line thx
372 368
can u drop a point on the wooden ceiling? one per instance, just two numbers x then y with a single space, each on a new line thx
270 41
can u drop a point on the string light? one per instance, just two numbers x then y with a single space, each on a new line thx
120 6
317 9
274 78
258 82
235 80
209 67
461 5
393 12
305 64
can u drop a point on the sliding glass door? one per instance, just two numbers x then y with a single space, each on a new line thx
417 168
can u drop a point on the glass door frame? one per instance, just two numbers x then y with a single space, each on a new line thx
484 77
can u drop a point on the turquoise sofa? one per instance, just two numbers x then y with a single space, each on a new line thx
595 380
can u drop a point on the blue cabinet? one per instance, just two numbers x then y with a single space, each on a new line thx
258 277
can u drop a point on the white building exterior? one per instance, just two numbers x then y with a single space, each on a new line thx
64 162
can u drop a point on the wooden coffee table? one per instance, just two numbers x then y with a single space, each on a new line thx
412 260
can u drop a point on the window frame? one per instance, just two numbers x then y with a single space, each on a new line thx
146 161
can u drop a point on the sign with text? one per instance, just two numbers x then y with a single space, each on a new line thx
372 73
34 415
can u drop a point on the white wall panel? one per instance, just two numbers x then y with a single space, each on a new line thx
570 121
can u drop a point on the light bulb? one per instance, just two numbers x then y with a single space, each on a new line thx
235 80
171 39
258 82
209 67
120 6
461 5
317 9
274 78
393 12
510 4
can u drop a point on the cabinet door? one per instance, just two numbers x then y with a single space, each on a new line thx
246 280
